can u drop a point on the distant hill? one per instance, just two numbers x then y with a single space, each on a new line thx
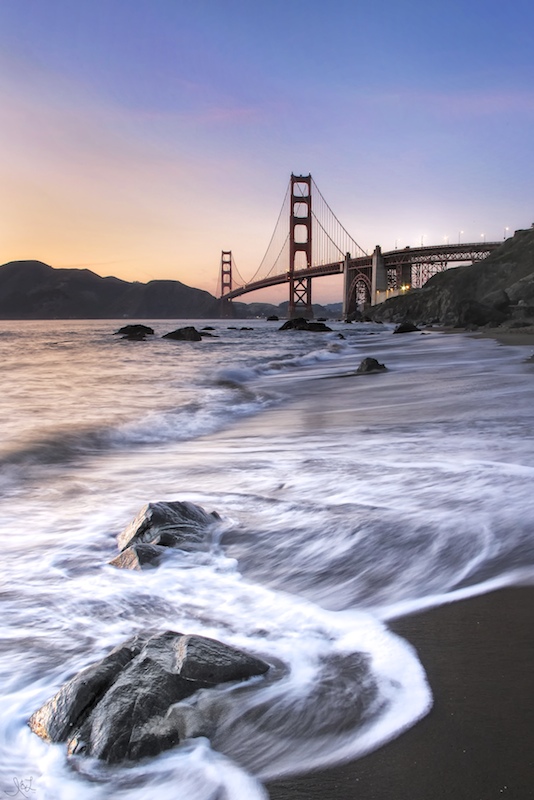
496 291
33 290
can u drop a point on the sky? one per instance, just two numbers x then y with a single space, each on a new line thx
142 137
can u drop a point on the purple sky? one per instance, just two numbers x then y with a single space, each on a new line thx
141 137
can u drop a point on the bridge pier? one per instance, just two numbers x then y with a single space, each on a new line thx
379 275
346 287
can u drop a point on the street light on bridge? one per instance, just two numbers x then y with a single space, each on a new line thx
459 236
483 237
506 232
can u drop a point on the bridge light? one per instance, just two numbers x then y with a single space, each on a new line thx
506 232
446 239
405 287
483 237
459 236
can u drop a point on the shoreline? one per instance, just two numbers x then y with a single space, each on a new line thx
476 741
520 337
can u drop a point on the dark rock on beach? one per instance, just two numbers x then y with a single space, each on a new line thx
369 365
129 705
183 526
187 334
140 556
406 327
301 324
135 331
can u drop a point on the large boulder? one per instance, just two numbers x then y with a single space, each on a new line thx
129 704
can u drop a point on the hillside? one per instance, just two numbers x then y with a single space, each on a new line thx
33 290
498 290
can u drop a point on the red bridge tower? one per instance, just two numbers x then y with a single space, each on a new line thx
226 283
300 247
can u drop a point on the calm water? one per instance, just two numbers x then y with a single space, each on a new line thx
344 502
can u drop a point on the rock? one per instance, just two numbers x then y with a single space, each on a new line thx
139 556
406 327
497 299
187 334
272 318
301 324
134 331
128 705
56 720
174 524
472 313
370 365
355 316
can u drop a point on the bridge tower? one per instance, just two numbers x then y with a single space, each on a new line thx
226 283
300 247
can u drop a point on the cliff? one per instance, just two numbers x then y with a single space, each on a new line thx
498 290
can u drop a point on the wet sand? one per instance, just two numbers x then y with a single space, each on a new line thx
477 743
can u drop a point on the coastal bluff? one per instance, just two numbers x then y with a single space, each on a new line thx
498 291
34 290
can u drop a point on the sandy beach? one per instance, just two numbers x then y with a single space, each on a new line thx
476 743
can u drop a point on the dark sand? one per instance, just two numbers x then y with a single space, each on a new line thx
477 742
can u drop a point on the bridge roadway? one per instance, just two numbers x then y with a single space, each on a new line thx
435 257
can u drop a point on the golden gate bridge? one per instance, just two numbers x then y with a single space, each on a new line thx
310 242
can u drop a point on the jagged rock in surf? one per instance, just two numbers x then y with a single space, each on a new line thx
129 705
406 327
169 524
301 324
134 331
370 365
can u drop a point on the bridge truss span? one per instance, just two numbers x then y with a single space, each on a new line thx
309 242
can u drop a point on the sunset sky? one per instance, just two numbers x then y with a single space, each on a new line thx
141 137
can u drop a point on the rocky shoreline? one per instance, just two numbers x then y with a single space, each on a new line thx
497 292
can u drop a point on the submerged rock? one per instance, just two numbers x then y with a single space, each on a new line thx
128 705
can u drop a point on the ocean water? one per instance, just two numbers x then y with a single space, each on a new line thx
345 501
